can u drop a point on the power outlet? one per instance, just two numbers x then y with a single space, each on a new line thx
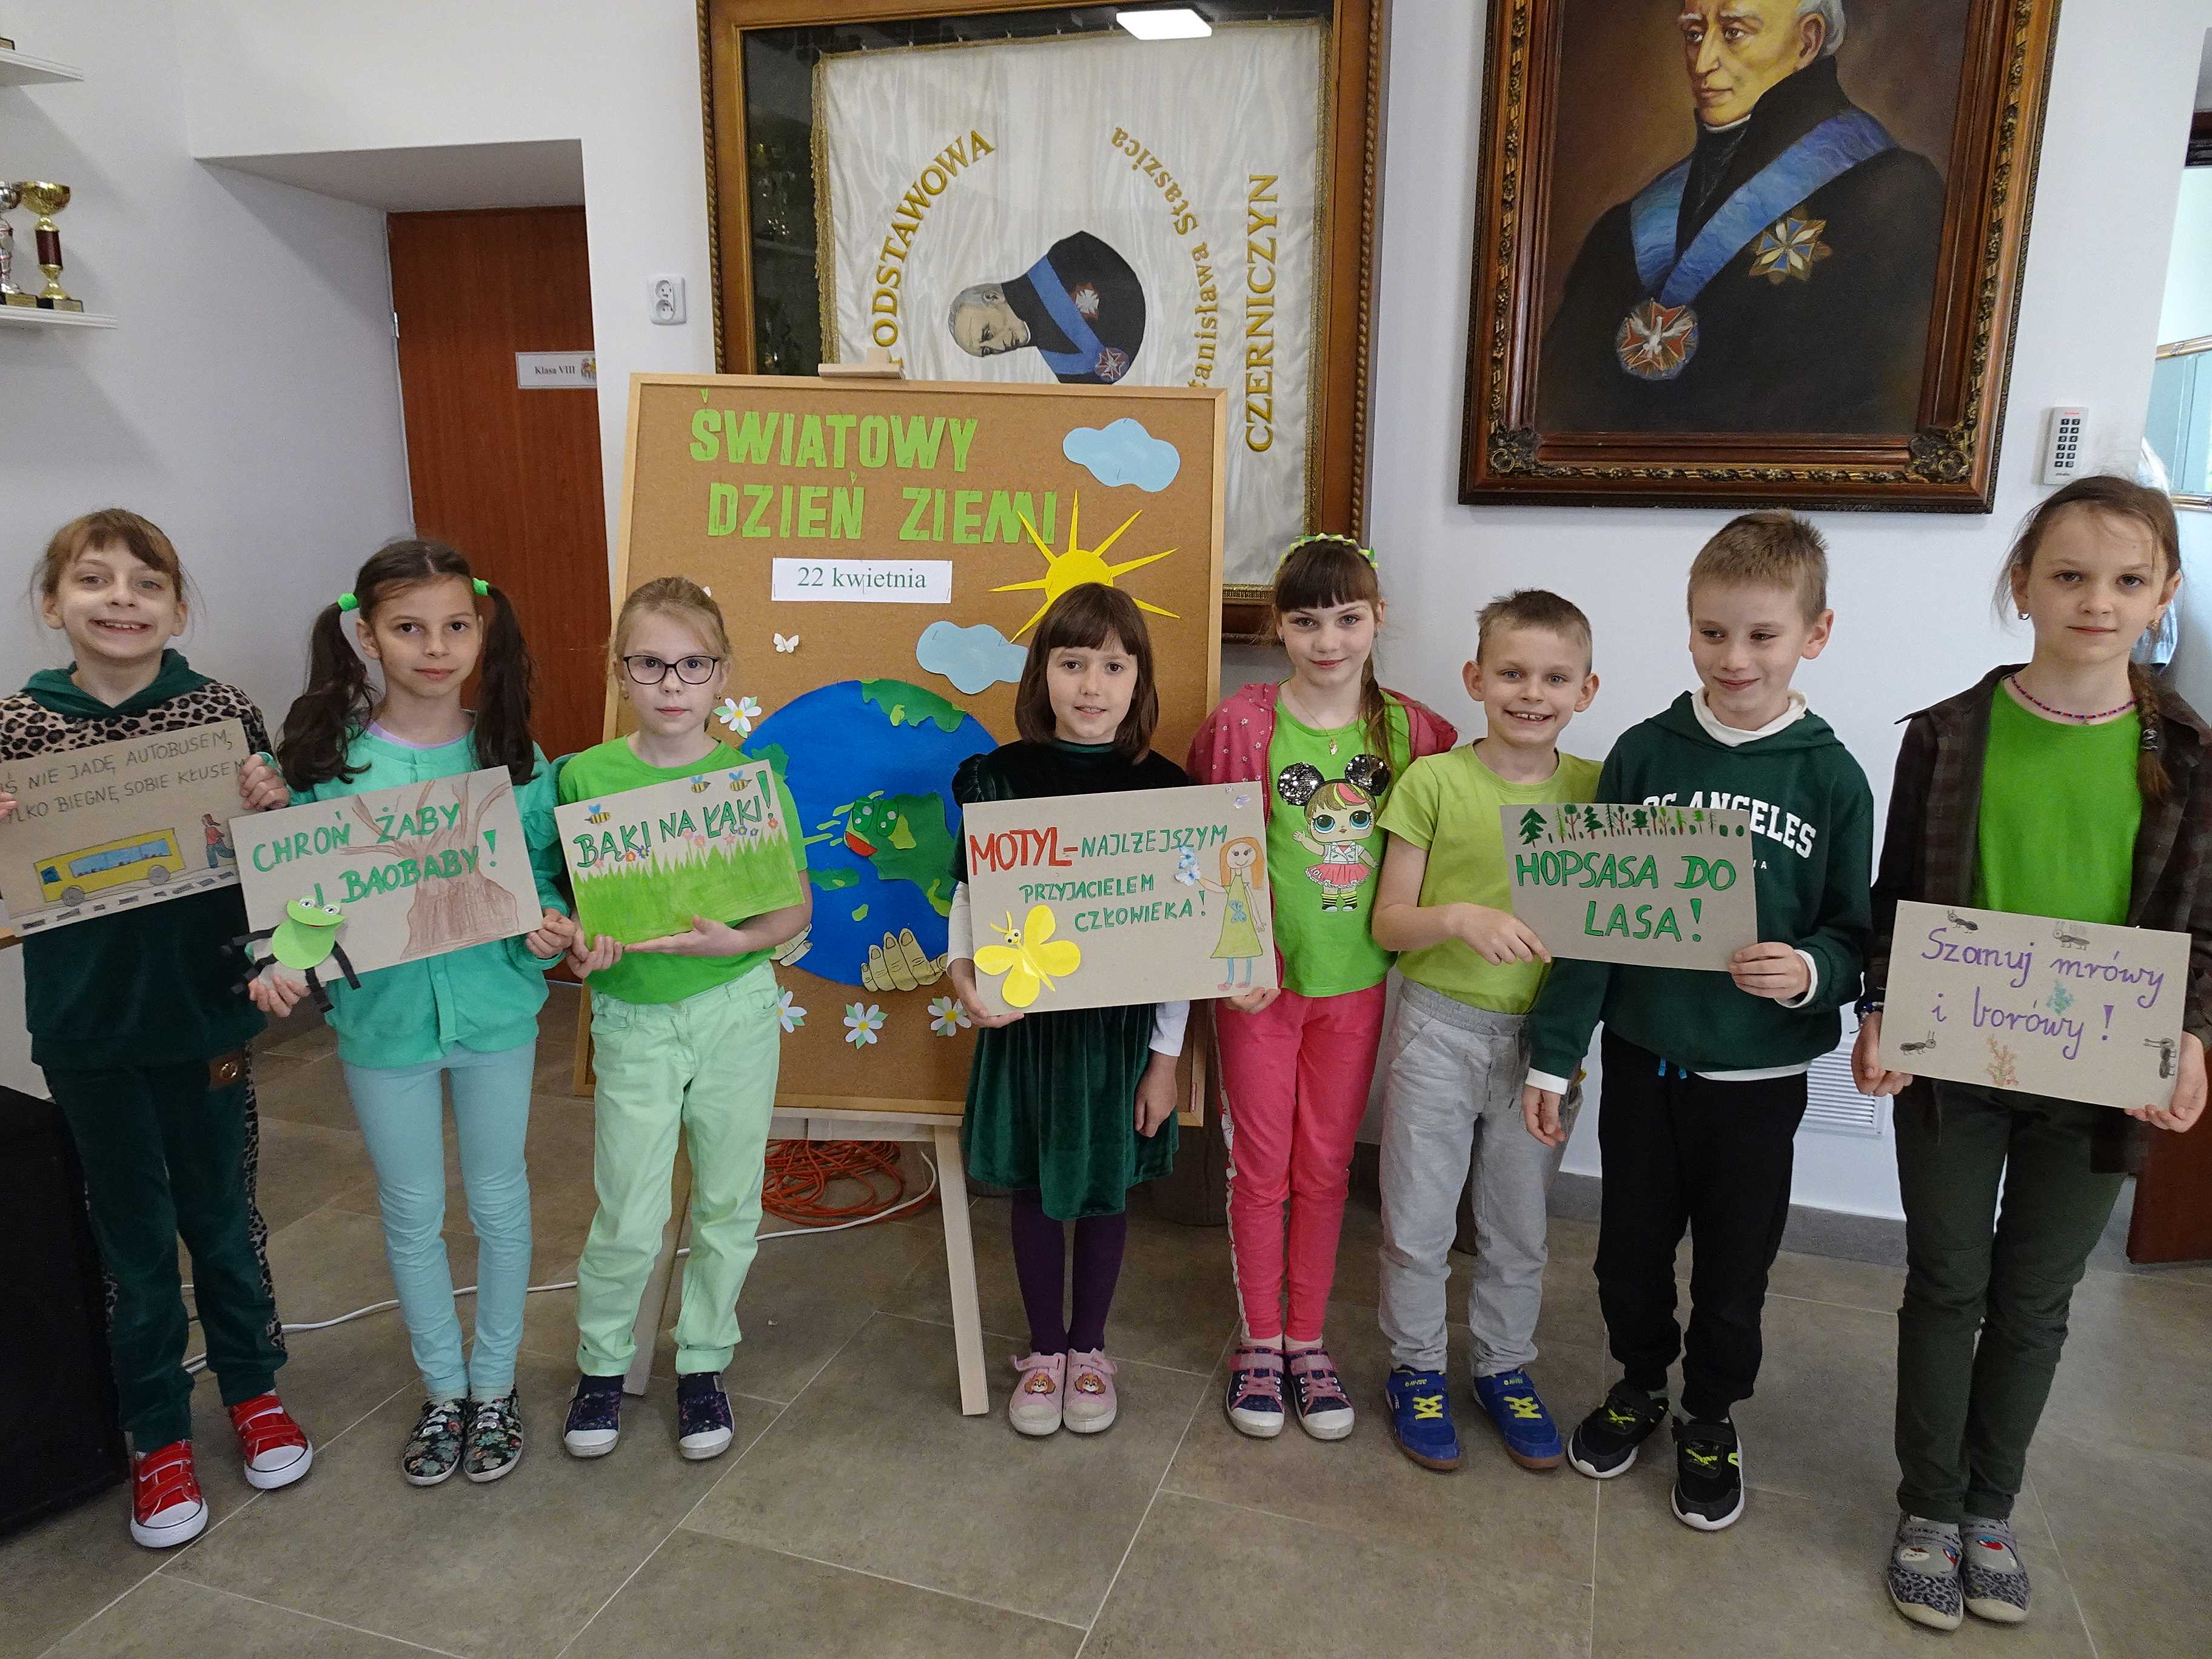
2062 456
665 295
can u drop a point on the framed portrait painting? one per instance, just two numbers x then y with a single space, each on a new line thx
1739 251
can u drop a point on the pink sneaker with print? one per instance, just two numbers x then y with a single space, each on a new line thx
1033 1407
1091 1402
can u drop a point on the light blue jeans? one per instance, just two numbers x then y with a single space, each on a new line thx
401 1110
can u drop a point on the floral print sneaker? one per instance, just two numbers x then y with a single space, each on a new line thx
433 1452
1090 1403
495 1437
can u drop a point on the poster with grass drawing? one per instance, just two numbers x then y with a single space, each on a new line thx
2078 1009
120 825
1658 886
418 870
646 861
1091 901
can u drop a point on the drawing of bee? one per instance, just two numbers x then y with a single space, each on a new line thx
701 785
1030 957
599 814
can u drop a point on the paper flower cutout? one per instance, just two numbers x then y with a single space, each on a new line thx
789 1012
861 1023
947 1016
738 714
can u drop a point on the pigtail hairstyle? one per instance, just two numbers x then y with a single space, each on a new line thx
2119 498
1085 619
338 700
1321 572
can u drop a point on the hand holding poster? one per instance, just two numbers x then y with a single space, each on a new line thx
414 870
119 824
1091 901
2075 1009
1658 886
646 861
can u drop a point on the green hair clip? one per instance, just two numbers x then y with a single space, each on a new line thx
347 602
482 586
1366 553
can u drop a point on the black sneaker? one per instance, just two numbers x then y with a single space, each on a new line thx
1604 1443
704 1427
594 1417
1708 1474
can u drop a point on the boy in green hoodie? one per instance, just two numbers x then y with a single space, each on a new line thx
1704 1082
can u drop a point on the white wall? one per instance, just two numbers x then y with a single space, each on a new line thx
2186 314
248 403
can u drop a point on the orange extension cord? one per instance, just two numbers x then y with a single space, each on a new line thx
799 1174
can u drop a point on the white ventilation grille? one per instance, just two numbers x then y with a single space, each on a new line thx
1833 1102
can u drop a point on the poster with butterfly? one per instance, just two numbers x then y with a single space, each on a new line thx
1094 901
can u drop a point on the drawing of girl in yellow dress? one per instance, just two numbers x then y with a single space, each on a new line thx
1244 885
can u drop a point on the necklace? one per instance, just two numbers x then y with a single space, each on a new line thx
2013 680
1305 719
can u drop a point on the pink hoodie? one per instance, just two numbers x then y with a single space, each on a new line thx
1231 747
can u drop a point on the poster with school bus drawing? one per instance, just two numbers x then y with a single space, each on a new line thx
120 825
1091 901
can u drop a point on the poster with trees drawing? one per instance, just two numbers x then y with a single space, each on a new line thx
645 862
418 869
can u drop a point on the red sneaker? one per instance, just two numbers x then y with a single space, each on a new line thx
166 1506
275 1447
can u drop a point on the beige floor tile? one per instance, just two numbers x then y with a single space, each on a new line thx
1489 1510
874 1468
311 1042
512 1568
309 1092
2137 1368
304 1166
2131 1527
166 1616
1205 1579
61 1570
1843 1283
698 1592
1175 1306
1821 1424
1794 1577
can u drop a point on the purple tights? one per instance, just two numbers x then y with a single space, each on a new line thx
1037 1245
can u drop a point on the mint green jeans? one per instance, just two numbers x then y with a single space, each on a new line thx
705 1066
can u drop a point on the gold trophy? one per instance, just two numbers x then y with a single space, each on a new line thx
8 291
47 200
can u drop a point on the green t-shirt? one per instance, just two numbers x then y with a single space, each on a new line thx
609 769
2060 807
1447 805
1324 853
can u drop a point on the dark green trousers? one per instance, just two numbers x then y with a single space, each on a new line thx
1987 1286
163 1149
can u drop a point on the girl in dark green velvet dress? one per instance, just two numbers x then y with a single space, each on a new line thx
1070 1109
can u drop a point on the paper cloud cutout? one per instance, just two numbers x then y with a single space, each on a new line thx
1124 452
973 659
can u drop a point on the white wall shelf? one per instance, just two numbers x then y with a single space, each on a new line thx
19 69
31 317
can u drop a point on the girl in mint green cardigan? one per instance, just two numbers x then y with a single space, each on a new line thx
471 1014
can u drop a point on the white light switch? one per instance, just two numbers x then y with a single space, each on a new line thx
666 294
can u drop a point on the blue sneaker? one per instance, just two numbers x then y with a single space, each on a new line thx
704 1425
1420 1416
594 1417
1532 1439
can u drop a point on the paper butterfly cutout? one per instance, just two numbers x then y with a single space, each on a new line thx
787 646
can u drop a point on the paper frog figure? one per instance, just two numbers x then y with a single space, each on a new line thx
305 940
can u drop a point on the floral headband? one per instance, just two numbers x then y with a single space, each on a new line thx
1366 553
347 602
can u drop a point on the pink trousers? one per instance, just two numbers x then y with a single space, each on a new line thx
1295 1080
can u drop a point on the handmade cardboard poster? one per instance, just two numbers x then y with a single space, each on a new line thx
2078 1009
1093 901
120 825
1658 886
646 861
415 870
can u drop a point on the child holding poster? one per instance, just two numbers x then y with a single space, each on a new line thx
1070 1109
1296 1064
685 1037
471 1014
137 1022
2086 781
1705 1078
1459 1044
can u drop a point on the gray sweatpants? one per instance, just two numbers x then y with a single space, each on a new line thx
1451 1101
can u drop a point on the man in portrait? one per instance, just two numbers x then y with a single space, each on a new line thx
1779 279
1081 307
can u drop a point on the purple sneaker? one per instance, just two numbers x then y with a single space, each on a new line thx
1255 1400
1324 1409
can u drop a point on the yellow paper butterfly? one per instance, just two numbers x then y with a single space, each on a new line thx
1030 957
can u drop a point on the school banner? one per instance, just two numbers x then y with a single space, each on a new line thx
645 862
120 825
2075 1009
1658 886
414 870
1093 901
1092 211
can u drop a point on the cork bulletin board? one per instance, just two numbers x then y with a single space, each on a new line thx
881 550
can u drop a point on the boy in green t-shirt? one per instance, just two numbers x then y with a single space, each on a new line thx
1458 1047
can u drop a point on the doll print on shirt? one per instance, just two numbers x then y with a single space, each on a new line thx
1339 827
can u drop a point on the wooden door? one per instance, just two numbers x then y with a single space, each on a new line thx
510 477
2173 1219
